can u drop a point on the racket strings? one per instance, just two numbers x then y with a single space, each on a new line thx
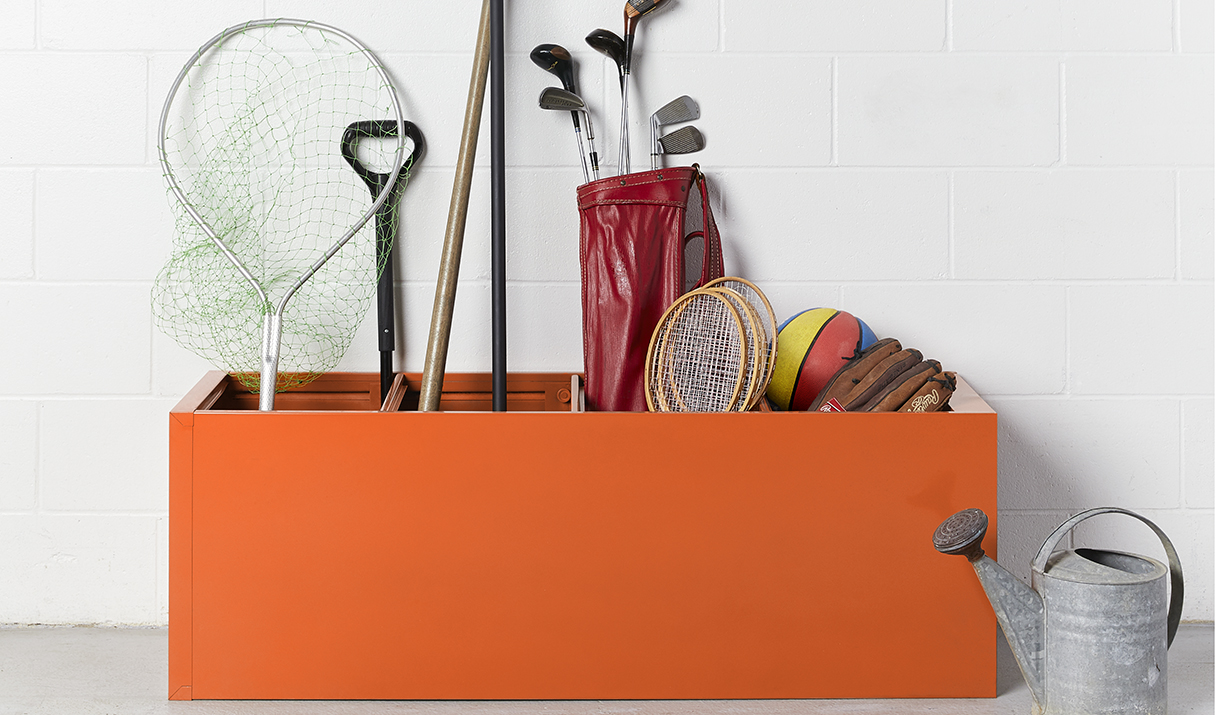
756 346
766 315
697 357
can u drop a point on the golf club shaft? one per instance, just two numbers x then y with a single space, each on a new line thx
652 142
580 151
459 201
624 143
592 147
580 145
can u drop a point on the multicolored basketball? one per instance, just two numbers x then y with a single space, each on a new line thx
812 346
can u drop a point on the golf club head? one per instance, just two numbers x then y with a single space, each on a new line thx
684 141
639 8
556 60
682 109
561 99
609 44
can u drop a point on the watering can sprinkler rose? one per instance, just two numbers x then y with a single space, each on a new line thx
1092 635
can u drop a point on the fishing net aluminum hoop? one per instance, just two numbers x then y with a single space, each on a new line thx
249 143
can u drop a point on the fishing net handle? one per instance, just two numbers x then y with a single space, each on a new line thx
273 317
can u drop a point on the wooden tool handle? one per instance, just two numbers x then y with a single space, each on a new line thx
455 229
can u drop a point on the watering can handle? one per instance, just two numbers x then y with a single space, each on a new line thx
1175 564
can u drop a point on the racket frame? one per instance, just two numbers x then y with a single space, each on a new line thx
660 371
757 346
745 288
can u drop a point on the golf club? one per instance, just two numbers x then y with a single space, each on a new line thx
558 61
682 109
554 98
632 12
686 140
611 45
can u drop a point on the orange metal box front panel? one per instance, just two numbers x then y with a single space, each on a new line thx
402 555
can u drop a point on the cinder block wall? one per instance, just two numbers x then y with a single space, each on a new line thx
1022 189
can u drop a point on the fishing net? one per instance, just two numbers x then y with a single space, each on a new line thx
266 208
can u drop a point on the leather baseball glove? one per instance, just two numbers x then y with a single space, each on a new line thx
887 378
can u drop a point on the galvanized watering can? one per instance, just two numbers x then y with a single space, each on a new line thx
1092 635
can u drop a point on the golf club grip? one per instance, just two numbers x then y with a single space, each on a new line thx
455 228
624 144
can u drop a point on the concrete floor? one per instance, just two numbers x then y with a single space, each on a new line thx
113 671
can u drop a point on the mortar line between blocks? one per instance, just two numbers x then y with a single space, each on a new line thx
1067 341
952 226
720 40
1063 157
1177 225
34 224
1182 466
37 457
948 25
834 111
150 108
1175 27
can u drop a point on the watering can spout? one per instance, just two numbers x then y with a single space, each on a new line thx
1018 608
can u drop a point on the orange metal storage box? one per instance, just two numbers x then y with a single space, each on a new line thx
329 550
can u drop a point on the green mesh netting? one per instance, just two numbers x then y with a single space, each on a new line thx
251 136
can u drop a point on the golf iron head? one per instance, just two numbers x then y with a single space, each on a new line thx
556 99
682 109
686 140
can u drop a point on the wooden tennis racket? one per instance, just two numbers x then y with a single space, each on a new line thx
698 358
762 306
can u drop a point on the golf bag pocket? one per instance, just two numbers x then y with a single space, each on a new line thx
634 250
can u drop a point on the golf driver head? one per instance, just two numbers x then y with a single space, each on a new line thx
639 8
686 140
556 60
609 44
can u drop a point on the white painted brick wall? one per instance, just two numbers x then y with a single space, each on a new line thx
58 120
1023 190
17 236
1064 224
827 26
1062 25
1140 110
1198 25
947 110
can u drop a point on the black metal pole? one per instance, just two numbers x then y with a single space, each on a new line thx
499 350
